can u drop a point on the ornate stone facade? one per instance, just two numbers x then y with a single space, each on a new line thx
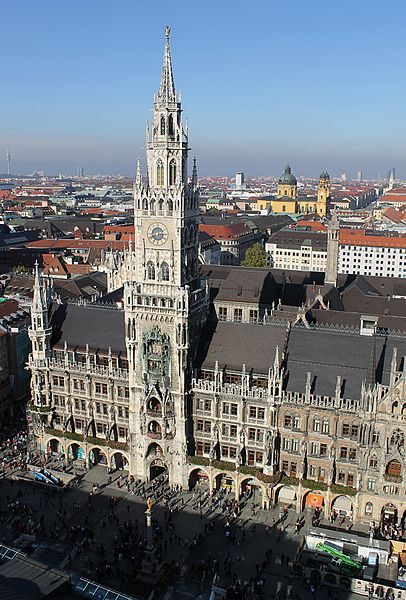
305 415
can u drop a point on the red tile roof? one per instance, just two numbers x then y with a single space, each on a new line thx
224 232
395 215
359 237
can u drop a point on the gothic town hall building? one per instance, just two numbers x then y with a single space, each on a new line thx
214 383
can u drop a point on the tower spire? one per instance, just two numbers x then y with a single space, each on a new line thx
167 88
37 296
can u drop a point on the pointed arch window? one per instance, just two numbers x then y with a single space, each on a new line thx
150 270
160 173
170 126
170 206
162 125
165 271
172 172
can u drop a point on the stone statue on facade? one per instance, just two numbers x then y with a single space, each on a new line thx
269 448
359 481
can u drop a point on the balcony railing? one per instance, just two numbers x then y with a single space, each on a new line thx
154 413
393 478
154 435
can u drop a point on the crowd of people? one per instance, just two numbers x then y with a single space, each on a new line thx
111 543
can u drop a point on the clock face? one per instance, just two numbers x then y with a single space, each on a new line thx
157 233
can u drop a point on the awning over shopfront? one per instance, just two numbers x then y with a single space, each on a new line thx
314 500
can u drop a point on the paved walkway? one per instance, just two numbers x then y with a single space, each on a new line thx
83 531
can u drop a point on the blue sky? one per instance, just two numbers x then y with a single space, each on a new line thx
320 84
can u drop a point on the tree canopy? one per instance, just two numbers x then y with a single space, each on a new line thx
256 256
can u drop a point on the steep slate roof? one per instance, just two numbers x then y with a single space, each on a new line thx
328 354
253 285
101 328
235 344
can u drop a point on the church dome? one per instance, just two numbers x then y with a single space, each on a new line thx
324 175
287 178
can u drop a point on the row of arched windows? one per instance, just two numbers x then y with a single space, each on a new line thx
152 205
160 173
161 273
397 409
171 129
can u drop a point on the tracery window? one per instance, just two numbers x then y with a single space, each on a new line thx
160 173
162 125
172 172
165 271
150 270
170 126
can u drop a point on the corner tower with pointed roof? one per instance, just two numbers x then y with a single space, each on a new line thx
40 334
165 300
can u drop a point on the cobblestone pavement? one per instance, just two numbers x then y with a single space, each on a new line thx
195 536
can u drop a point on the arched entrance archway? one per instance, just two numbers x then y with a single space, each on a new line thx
119 461
75 452
224 482
343 506
313 500
97 457
157 468
286 494
389 517
55 445
251 491
198 477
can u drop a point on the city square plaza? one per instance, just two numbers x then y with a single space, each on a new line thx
198 546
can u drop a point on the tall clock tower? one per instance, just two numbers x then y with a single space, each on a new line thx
165 300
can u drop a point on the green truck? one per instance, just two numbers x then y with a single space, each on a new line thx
340 561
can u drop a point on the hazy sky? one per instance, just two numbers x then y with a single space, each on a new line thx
319 84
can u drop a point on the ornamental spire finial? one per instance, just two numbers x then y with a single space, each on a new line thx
167 88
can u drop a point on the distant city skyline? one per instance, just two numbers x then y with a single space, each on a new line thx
305 84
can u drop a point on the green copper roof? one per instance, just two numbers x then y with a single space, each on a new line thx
287 178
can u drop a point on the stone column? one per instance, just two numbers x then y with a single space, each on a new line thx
148 514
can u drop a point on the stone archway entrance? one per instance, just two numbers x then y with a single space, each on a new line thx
157 468
224 482
198 476
313 500
286 495
389 516
97 457
76 452
119 461
251 492
54 445
343 506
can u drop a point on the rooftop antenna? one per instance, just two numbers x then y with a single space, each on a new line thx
8 158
